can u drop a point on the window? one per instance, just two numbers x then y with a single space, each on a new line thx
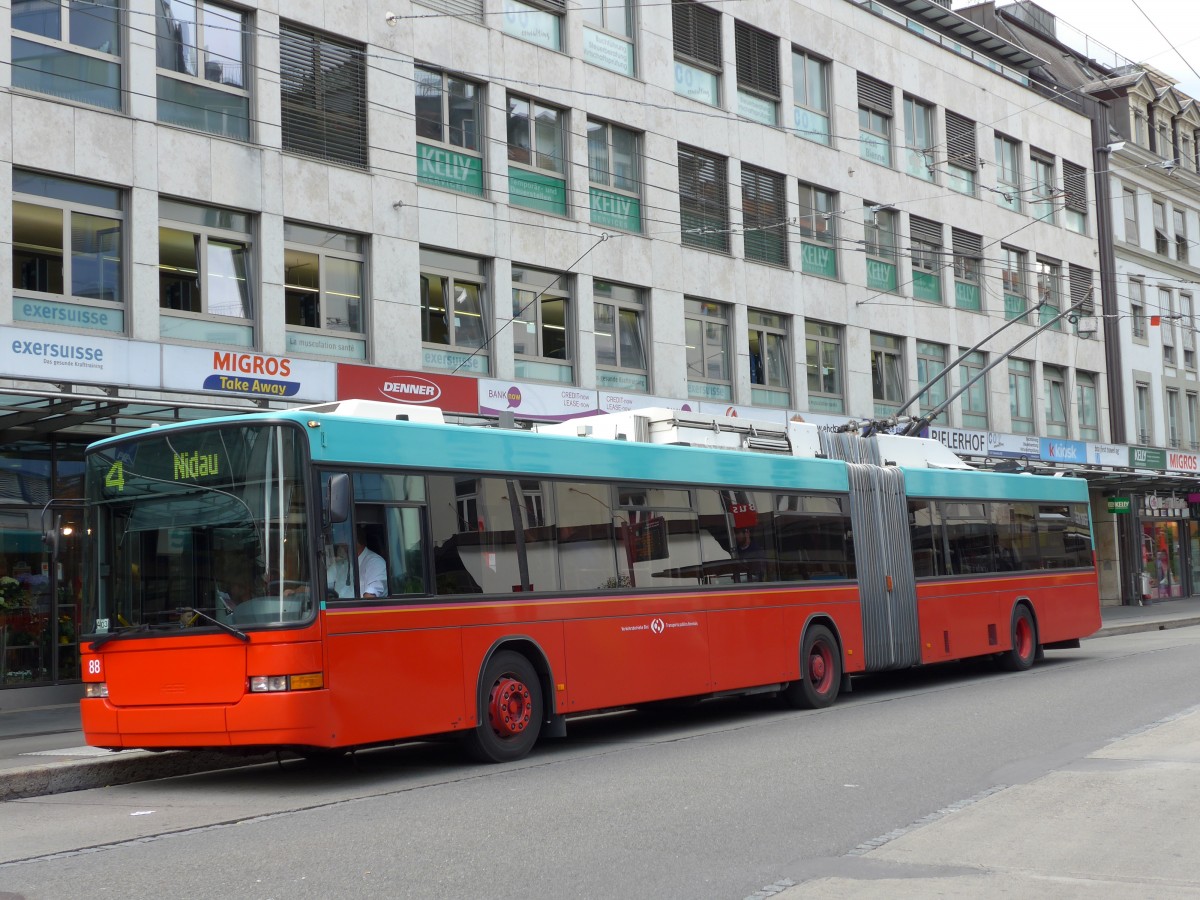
537 21
1129 202
205 275
69 50
1162 242
620 330
918 138
1181 240
703 200
1193 409
887 373
542 344
823 361
1139 125
757 55
608 35
202 70
770 384
1172 418
1142 412
1054 381
818 231
696 33
449 115
706 333
874 120
962 160
323 94
927 259
1137 309
67 252
974 398
537 155
1008 173
1013 275
931 362
1042 172
1166 310
1187 325
881 248
968 258
810 83
1075 187
1083 319
455 313
1049 289
1020 395
322 289
614 170
1088 406
764 216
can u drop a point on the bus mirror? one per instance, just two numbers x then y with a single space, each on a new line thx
337 500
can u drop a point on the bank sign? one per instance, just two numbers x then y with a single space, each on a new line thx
248 374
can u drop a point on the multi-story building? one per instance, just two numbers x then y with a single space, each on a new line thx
1147 139
767 208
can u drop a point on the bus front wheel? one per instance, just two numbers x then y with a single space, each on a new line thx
511 713
820 671
1024 642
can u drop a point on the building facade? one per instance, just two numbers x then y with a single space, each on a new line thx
769 208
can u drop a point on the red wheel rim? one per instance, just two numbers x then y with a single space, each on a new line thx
1023 639
820 667
510 707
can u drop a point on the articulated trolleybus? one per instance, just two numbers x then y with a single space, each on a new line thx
363 573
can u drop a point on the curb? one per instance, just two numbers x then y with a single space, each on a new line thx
1133 627
123 767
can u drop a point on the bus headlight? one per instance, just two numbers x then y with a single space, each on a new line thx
95 689
265 684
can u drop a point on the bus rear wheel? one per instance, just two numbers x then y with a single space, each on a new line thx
511 715
820 671
1024 648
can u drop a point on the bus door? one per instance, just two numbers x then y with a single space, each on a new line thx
887 587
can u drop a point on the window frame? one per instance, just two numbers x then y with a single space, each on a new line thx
931 361
1014 266
1179 229
1087 405
114 63
635 193
698 199
1129 202
756 53
696 50
764 217
810 198
968 270
1020 393
1048 280
803 105
1172 416
928 257
546 287
324 252
543 13
1162 240
819 339
1042 192
245 326
919 116
889 377
458 356
201 83
773 334
1143 421
302 50
1058 408
1137 310
1008 172
67 209
962 153
627 299
876 110
974 400
709 315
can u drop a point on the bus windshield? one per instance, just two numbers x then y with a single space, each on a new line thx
194 529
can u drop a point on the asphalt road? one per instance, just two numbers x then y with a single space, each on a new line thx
716 803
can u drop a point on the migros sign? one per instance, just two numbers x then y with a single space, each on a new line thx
251 364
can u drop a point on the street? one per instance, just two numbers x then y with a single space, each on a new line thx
716 802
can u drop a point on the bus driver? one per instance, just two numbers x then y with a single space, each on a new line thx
372 570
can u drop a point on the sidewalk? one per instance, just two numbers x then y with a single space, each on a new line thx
42 750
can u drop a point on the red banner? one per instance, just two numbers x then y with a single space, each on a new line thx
451 393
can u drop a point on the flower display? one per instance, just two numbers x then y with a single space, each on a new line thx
12 593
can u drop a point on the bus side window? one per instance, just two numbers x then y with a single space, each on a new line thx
405 551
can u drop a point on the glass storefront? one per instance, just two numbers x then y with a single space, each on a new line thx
1163 561
41 488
